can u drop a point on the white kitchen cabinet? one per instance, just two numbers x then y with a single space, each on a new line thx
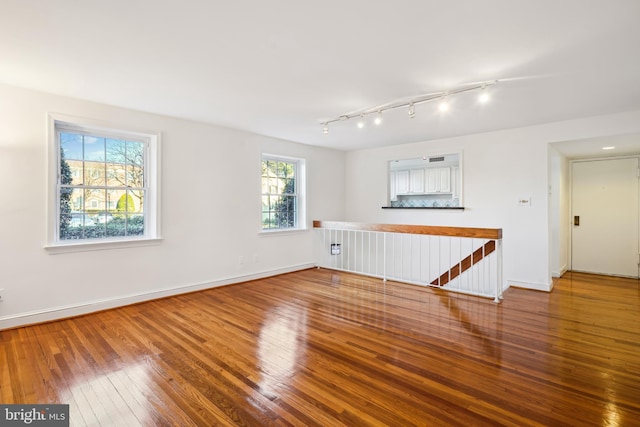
445 180
439 180
409 181
402 182
416 181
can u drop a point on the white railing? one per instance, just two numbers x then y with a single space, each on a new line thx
459 259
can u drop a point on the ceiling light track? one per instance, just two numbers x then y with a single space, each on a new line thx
410 104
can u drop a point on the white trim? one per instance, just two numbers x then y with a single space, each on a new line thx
152 229
560 273
438 153
282 231
301 193
604 274
534 286
102 125
62 312
571 216
99 245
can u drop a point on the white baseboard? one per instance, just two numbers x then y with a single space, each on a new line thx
558 274
546 287
62 312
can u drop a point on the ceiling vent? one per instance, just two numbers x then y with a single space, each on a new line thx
436 159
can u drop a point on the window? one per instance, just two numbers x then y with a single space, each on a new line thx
282 193
105 186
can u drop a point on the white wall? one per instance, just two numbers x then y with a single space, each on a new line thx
499 168
210 205
559 216
210 213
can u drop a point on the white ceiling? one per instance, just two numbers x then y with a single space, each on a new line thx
610 146
281 67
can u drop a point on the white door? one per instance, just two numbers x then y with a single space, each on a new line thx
605 216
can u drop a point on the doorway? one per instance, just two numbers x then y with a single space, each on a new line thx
605 215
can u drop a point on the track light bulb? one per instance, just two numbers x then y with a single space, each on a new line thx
412 110
325 129
484 96
361 121
378 119
443 106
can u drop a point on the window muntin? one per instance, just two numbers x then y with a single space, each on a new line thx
101 186
281 185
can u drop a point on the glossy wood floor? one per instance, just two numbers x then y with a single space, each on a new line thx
323 348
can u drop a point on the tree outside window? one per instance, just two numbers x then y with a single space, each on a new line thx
280 193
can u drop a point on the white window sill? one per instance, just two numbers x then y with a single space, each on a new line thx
99 245
284 232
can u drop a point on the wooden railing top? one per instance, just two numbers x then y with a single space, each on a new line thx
481 233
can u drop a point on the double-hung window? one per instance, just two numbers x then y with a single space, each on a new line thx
106 187
282 193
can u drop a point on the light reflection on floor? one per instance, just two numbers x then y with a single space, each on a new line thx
114 398
278 351
472 322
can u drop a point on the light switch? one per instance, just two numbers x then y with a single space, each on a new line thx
524 201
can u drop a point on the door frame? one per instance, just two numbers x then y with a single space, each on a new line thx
592 159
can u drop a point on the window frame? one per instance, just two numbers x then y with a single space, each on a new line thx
61 122
452 160
300 194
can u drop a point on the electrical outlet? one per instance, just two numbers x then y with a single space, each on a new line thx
241 260
1 295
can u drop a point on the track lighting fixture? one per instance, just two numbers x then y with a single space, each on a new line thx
443 105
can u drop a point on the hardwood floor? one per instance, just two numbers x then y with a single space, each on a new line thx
324 348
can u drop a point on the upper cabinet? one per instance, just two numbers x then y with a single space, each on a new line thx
402 182
408 181
420 181
416 181
438 180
